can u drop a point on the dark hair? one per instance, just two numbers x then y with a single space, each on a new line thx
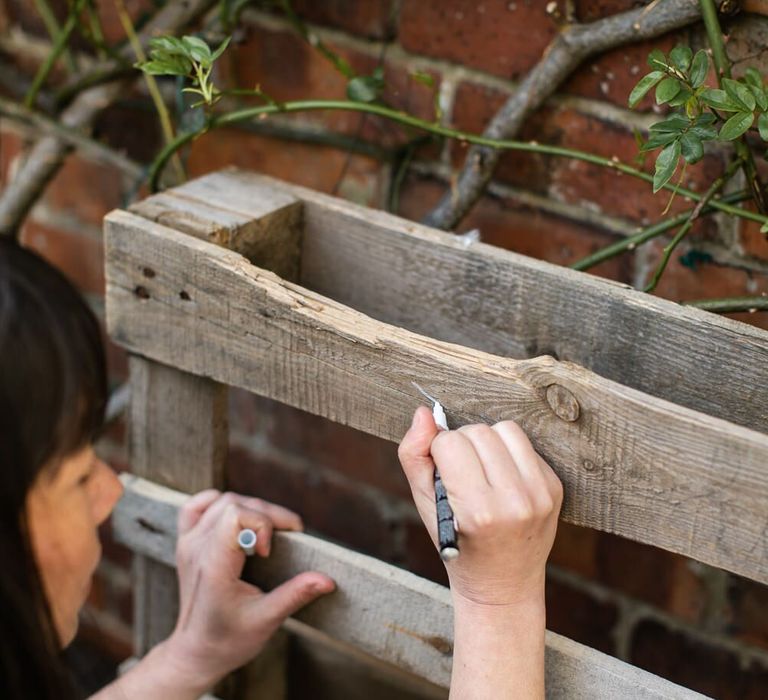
53 392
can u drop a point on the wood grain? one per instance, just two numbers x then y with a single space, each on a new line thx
494 300
632 464
381 609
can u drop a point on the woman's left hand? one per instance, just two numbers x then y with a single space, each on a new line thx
224 621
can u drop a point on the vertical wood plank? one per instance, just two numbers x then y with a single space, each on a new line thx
178 438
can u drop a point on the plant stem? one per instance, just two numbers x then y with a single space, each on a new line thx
714 188
154 91
53 29
403 118
723 70
730 305
58 47
636 239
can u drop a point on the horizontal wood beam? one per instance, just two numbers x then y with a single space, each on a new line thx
381 609
632 464
481 296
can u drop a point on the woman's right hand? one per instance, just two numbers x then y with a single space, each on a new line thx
506 500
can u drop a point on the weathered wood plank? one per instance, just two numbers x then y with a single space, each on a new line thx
487 298
178 438
265 229
381 609
632 464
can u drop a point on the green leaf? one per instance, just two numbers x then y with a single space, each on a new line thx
170 65
699 68
764 228
364 88
762 126
667 89
676 124
681 57
736 126
666 164
753 77
705 133
657 60
643 86
171 44
760 97
740 94
222 48
719 99
691 147
681 98
657 140
197 50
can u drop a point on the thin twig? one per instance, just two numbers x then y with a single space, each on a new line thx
154 92
564 54
54 29
48 154
714 188
97 151
730 305
646 234
59 45
723 70
250 113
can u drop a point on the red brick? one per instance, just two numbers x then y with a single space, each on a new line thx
707 280
85 189
261 60
577 615
509 224
11 146
752 241
591 10
500 37
748 605
651 575
80 258
357 455
110 21
611 76
370 18
340 511
705 668
320 167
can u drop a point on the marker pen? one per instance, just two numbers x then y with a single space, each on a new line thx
246 538
447 535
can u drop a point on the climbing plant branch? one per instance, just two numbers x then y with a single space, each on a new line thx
731 305
562 56
714 188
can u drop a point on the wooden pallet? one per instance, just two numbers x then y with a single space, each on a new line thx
652 414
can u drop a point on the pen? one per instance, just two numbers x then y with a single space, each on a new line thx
446 522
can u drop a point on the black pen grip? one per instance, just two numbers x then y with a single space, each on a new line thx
446 530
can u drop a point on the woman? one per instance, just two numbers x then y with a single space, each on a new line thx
55 492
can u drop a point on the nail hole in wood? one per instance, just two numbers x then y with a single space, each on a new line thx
148 272
184 295
141 292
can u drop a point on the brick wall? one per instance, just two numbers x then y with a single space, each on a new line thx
696 625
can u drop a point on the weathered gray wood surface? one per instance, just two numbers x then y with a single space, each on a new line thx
632 464
487 298
381 609
177 438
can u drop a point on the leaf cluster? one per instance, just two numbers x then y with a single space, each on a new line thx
702 113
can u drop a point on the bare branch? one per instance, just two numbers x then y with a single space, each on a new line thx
562 56
49 152
98 151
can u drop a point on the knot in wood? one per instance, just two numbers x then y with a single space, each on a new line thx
563 403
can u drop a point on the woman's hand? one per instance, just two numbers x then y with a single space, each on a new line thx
505 497
224 621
